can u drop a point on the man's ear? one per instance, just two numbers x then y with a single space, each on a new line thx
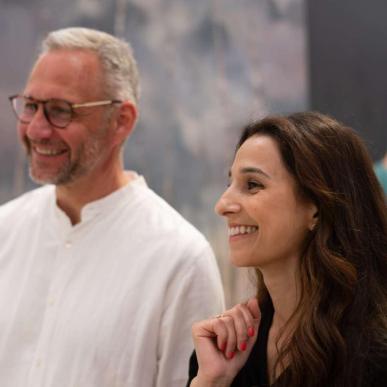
125 121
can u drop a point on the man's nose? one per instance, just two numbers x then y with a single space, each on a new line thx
39 127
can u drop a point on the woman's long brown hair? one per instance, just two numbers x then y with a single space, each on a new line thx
341 319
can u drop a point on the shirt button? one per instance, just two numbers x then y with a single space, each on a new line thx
38 363
67 244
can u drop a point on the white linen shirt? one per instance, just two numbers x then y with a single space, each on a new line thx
108 302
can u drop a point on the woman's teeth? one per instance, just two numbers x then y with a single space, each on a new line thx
237 230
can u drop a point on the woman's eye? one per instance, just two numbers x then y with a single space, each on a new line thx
251 185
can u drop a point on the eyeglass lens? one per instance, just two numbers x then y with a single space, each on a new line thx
57 112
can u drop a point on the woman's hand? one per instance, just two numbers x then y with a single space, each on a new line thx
223 343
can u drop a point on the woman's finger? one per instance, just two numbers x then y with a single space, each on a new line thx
231 343
240 316
253 306
249 317
221 332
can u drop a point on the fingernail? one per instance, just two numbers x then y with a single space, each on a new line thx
250 331
231 355
223 347
243 346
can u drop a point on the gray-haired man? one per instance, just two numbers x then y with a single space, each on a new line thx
100 278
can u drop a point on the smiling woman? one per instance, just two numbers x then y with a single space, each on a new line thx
262 197
305 209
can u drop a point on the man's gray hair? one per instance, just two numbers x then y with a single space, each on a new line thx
116 56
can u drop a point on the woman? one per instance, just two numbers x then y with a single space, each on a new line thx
305 209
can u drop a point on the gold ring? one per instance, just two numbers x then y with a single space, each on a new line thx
222 315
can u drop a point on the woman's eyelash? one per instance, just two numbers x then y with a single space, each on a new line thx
251 184
254 184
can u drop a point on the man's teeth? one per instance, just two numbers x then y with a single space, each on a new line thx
232 231
48 152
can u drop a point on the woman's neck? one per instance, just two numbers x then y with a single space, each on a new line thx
282 286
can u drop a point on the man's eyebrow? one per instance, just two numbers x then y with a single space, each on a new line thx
251 170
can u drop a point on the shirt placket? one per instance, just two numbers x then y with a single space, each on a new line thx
42 364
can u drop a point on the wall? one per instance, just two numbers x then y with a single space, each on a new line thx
206 67
348 62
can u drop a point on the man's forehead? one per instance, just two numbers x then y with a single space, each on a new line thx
65 72
64 61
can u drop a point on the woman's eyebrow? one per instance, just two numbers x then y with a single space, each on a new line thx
254 170
251 170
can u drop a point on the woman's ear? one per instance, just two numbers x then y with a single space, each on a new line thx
314 218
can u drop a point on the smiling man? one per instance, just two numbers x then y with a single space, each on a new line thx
100 278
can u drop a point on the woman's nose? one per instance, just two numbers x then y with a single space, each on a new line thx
226 204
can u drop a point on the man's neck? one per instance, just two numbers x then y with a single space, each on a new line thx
71 198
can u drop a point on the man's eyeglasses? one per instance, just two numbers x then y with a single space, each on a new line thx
58 113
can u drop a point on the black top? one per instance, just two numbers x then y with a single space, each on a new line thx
254 372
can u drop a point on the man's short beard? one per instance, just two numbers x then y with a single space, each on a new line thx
65 176
85 161
87 156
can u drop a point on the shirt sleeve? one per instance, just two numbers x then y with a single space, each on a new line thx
193 368
194 293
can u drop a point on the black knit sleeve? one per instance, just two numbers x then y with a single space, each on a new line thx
193 368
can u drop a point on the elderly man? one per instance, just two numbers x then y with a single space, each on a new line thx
100 278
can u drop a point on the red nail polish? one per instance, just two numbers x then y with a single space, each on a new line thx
243 346
231 355
223 347
250 331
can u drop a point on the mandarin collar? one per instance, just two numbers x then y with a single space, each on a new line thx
102 205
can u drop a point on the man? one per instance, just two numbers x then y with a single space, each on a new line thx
100 279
